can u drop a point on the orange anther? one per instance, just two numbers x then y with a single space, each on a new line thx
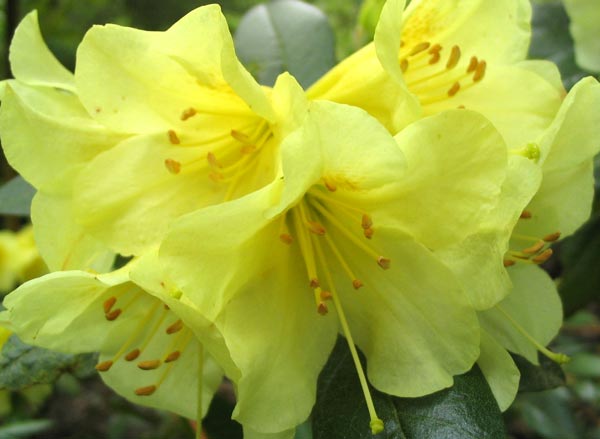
173 137
525 214
509 262
325 295
435 57
356 283
187 113
330 185
247 149
454 58
172 356
316 228
145 391
534 248
149 365
109 303
314 283
132 355
175 327
479 71
552 237
110 316
404 65
286 238
366 221
543 256
322 308
239 136
104 366
368 233
419 48
384 262
212 160
454 89
473 63
173 166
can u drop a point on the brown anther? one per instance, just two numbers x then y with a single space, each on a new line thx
384 262
322 308
368 233
543 256
453 58
110 316
132 355
508 262
325 295
212 160
247 149
435 48
357 284
461 107
104 366
175 327
404 65
149 364
479 71
239 136
173 166
525 214
173 137
473 63
534 248
145 391
330 185
109 303
552 237
172 356
165 306
419 48
454 89
286 238
316 228
314 283
187 113
435 57
366 222
215 176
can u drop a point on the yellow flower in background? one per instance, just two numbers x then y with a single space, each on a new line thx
585 30
19 258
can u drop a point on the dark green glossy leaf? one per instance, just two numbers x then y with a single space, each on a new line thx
548 375
466 411
285 35
22 365
580 257
15 197
551 40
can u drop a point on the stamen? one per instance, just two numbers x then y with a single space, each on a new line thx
454 58
330 185
172 356
435 57
286 238
212 161
376 423
305 243
525 214
187 113
325 295
368 233
173 137
322 308
314 283
239 136
175 327
316 228
173 166
454 89
404 65
145 391
543 257
366 221
559 358
357 284
247 149
149 364
109 303
534 248
104 366
509 263
384 262
111 316
419 48
132 355
338 255
473 63
552 237
479 71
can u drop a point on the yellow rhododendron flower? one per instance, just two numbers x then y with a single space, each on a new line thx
346 231
152 125
147 354
19 258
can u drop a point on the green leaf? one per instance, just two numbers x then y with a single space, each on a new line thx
285 35
548 375
24 429
580 256
15 197
22 365
467 410
551 40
